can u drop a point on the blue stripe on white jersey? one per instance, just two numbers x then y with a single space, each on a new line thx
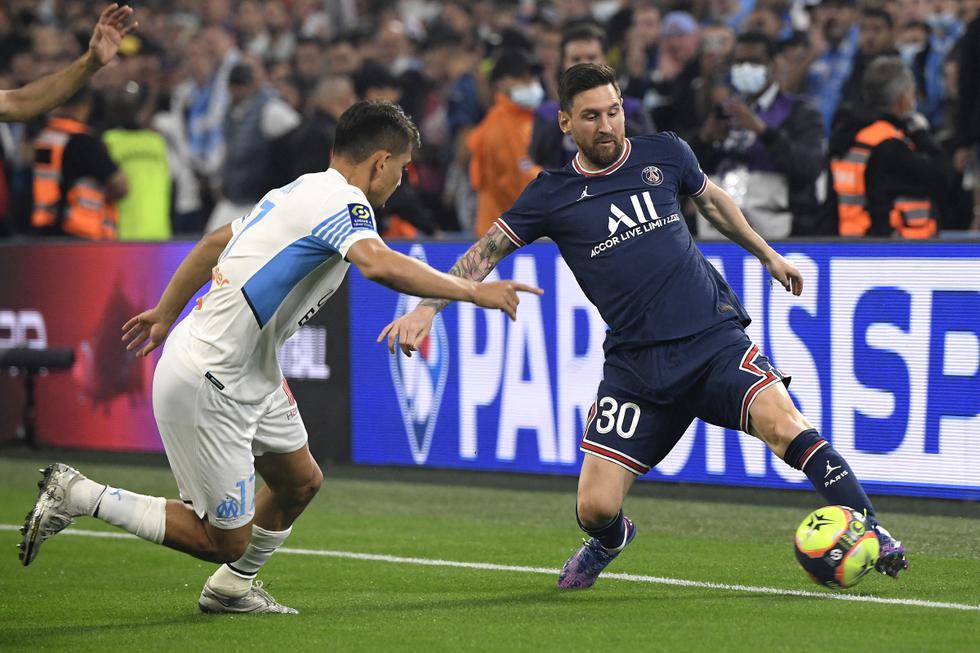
268 287
337 230
322 228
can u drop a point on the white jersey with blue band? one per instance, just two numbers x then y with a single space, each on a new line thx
284 260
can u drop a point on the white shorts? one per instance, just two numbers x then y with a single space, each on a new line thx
211 440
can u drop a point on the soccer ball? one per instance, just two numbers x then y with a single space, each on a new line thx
835 546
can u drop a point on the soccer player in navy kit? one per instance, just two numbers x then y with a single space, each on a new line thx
676 347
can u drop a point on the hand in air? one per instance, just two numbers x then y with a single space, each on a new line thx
502 295
149 325
410 330
786 274
109 32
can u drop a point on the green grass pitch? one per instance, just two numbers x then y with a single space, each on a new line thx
89 593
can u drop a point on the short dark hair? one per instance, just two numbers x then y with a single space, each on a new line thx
582 31
513 63
583 77
369 126
758 38
874 12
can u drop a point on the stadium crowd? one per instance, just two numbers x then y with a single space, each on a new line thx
805 111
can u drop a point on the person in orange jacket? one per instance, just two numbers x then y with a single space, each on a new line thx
500 166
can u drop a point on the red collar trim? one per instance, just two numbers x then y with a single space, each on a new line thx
607 170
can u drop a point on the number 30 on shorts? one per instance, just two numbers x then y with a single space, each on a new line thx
624 417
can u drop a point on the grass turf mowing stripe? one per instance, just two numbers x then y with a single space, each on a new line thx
635 578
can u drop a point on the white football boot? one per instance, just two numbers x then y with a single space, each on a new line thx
53 510
256 600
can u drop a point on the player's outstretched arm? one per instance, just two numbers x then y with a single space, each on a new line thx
720 209
381 264
479 260
48 92
192 273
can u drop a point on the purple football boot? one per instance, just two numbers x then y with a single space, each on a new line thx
891 556
585 565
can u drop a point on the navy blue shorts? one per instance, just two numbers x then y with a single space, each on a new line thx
650 395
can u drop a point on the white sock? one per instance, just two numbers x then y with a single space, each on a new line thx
236 579
84 495
143 516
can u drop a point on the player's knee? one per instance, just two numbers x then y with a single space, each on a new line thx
314 484
595 511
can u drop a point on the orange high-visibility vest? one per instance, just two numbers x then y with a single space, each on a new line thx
910 217
84 210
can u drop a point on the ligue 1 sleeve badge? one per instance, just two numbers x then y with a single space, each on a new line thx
652 175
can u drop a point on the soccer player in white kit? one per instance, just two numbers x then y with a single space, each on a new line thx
221 403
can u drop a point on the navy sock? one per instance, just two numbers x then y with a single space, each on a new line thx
828 471
612 535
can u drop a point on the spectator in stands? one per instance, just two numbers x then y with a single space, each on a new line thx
642 42
763 146
252 34
500 166
581 43
199 103
76 182
876 38
763 20
282 40
256 117
307 148
669 92
967 155
343 55
889 176
141 154
309 64
821 73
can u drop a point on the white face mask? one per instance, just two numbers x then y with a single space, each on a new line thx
528 96
748 78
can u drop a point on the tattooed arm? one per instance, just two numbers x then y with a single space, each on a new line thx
479 260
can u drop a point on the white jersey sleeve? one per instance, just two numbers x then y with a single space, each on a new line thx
354 222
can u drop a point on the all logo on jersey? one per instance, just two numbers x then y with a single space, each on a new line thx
652 175
420 380
360 216
623 225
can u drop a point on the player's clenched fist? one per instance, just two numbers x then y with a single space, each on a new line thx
502 295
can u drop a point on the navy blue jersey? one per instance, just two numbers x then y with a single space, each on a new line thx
621 232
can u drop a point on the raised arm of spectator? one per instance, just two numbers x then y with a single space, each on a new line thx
48 92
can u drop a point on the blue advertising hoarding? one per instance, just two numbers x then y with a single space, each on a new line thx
883 347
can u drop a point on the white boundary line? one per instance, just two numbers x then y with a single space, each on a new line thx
635 578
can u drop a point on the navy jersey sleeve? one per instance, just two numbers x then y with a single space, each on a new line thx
693 180
525 221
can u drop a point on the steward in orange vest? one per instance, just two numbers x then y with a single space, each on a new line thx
75 180
889 175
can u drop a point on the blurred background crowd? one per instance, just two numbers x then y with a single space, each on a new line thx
805 111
